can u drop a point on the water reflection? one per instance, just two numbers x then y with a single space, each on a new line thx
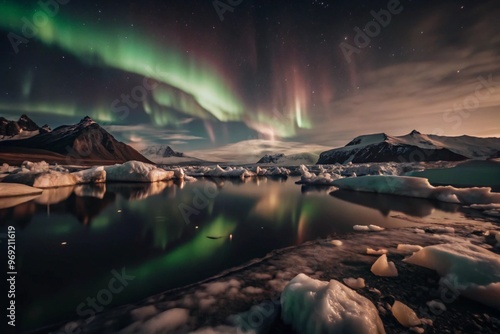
170 234
416 207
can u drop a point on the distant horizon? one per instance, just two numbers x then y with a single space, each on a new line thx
112 129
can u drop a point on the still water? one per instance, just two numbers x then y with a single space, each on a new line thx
167 235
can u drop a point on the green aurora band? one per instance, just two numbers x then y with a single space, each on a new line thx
132 51
187 84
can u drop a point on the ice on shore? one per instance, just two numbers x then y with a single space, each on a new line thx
371 251
313 306
417 187
406 248
382 267
405 315
354 283
471 270
165 322
366 228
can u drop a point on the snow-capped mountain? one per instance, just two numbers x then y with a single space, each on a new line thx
160 151
85 140
250 151
23 128
414 146
281 159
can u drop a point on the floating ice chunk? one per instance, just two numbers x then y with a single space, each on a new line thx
53 179
337 243
417 187
355 283
366 228
406 248
179 173
382 267
405 315
312 306
371 251
92 175
136 171
471 270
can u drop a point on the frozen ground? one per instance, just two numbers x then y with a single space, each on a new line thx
434 283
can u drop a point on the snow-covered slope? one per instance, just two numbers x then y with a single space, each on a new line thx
160 151
412 147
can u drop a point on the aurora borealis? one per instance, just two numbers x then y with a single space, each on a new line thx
173 72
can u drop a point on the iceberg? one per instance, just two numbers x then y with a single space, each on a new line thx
312 306
136 171
417 187
469 269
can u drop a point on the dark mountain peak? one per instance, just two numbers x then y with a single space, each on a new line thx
376 137
86 121
415 132
26 124
169 152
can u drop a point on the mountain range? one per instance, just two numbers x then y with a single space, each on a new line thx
23 128
83 143
414 146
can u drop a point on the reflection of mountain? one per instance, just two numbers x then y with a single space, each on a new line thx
416 207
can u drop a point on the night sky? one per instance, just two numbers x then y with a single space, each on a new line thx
201 74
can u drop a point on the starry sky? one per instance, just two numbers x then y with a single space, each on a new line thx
200 74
